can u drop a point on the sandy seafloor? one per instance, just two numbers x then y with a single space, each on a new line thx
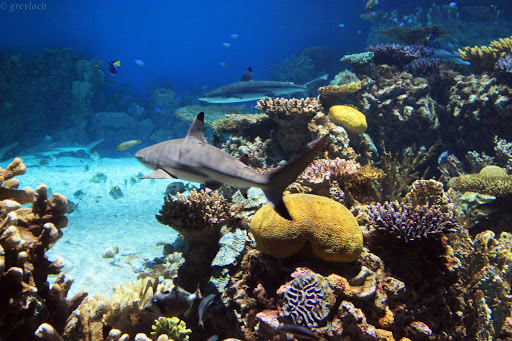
102 222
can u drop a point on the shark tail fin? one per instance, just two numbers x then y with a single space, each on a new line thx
281 177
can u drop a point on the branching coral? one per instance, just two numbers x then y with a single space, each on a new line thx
358 58
198 218
504 152
400 174
409 223
484 58
173 327
327 173
396 54
292 117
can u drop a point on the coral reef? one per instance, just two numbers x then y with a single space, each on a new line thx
328 226
414 35
241 124
504 152
484 58
396 54
292 117
211 113
330 94
173 327
198 218
358 58
307 299
349 118
498 186
409 223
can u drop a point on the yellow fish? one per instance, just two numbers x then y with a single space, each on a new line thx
370 5
128 144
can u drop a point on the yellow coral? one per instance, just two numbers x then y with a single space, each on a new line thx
349 118
484 58
327 225
173 327
331 93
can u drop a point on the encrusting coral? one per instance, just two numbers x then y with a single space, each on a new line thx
328 226
330 94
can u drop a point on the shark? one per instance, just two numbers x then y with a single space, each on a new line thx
57 151
248 89
190 158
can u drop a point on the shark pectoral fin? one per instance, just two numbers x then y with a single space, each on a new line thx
159 174
276 201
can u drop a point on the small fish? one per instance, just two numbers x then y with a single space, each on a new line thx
128 144
213 338
453 4
443 156
370 4
176 302
341 25
79 194
72 207
234 36
205 303
113 67
223 64
116 192
300 331
139 62
158 108
226 45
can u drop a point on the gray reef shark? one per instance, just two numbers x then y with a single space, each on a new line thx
247 89
190 158
57 151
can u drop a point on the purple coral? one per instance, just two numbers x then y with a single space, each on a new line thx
399 55
504 67
423 67
408 223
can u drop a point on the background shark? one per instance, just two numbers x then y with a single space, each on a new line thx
247 89
191 159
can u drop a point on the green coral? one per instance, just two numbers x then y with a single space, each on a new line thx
498 186
173 327
358 58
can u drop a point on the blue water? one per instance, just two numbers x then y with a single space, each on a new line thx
180 42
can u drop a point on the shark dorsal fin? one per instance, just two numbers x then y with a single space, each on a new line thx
247 76
196 129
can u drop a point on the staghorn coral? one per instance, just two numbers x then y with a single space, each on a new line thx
292 117
307 299
173 327
330 94
498 186
328 226
409 223
484 58
198 218
349 118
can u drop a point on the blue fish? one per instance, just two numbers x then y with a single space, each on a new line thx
443 156
158 108
113 67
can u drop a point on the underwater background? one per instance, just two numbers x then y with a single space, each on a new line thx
385 125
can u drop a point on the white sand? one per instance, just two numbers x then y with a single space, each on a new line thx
102 222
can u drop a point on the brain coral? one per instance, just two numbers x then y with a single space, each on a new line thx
349 118
327 225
